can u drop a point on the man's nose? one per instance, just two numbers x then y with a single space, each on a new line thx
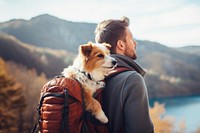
135 43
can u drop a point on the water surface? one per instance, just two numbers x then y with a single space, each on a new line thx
183 108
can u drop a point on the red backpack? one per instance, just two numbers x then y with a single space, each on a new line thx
61 108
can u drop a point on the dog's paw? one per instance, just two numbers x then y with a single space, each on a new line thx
101 117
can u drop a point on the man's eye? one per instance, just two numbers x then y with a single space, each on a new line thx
100 55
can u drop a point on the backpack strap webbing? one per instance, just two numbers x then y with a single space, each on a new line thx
84 128
65 122
118 70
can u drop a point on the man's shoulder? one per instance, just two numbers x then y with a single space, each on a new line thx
131 77
127 75
131 73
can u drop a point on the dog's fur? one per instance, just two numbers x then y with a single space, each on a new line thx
90 67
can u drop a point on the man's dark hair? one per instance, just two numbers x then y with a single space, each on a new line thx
110 31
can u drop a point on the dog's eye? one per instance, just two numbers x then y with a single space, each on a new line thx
100 55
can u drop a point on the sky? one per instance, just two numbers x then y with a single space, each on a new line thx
174 23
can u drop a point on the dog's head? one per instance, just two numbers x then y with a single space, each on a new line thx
95 59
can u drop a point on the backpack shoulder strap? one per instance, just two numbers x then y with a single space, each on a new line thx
118 70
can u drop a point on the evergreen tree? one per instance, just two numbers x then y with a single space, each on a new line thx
12 103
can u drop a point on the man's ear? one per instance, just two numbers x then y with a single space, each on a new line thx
86 49
120 45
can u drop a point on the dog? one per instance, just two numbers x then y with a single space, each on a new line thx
90 67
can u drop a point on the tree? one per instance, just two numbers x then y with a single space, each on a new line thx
12 103
164 123
32 84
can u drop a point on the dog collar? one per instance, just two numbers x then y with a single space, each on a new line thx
86 74
90 77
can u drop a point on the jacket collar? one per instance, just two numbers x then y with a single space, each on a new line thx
124 61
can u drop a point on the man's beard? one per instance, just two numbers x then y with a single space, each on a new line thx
130 53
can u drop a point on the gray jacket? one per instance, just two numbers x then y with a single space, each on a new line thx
125 99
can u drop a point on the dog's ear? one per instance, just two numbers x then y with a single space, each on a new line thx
108 46
86 49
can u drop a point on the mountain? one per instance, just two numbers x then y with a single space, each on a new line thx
166 60
51 32
44 60
170 71
194 50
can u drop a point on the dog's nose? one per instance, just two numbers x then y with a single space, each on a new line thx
114 62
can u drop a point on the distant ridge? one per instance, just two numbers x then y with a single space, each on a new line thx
44 60
49 31
195 50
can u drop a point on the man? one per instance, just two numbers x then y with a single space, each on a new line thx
125 98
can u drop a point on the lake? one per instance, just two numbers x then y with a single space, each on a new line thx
183 108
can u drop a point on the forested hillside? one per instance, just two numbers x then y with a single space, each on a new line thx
169 72
44 60
19 94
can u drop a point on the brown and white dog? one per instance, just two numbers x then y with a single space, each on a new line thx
90 67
